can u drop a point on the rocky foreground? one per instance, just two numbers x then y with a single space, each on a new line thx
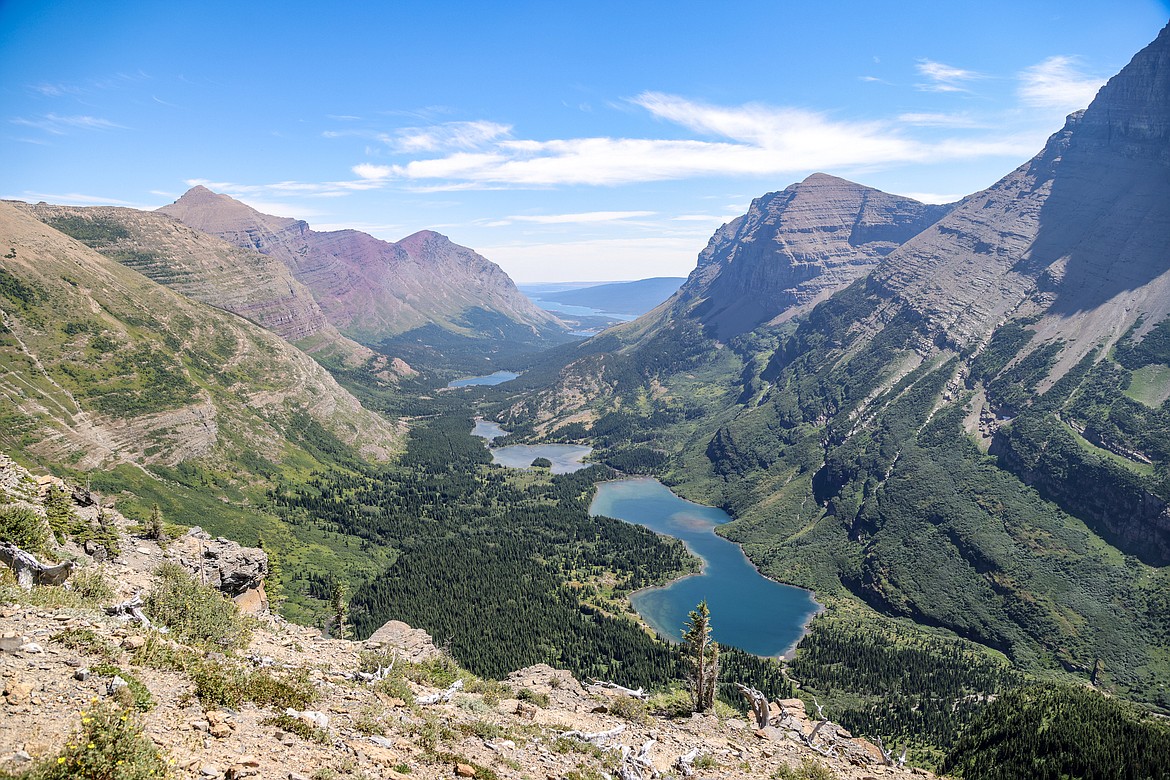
393 706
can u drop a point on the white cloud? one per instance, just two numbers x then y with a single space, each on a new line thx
1057 83
939 120
934 197
73 199
750 140
944 78
572 219
611 259
56 124
447 137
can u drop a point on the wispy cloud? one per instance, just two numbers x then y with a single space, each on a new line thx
933 197
56 124
46 89
940 120
1057 83
73 199
587 217
944 78
752 139
449 136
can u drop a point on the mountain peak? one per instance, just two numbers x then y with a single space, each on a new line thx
824 179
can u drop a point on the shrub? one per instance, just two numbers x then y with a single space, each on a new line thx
230 685
23 527
86 640
629 708
672 704
135 694
195 613
91 585
109 745
297 726
531 696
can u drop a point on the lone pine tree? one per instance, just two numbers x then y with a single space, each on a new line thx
701 654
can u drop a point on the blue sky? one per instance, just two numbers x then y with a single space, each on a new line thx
563 140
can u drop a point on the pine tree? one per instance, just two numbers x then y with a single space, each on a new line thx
340 606
701 654
154 525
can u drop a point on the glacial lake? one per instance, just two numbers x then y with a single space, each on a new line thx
748 610
486 429
498 378
565 458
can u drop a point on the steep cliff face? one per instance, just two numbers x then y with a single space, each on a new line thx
207 269
374 290
1077 235
974 433
796 247
105 366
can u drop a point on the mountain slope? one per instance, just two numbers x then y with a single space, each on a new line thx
206 269
796 247
975 435
103 366
379 292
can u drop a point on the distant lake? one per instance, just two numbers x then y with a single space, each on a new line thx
490 379
486 429
581 311
565 458
748 610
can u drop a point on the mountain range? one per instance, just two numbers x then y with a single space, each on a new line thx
953 414
383 294
950 421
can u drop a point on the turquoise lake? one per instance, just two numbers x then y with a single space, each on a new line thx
748 610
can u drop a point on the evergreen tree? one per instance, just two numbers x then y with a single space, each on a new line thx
154 525
339 603
701 654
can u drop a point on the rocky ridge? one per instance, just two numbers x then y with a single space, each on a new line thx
796 247
1076 236
107 366
206 269
539 722
371 289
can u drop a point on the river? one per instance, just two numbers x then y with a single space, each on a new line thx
748 610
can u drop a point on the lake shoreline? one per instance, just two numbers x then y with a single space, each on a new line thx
727 583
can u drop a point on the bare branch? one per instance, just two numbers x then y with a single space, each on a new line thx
598 738
760 706
29 571
446 695
637 693
131 608
685 762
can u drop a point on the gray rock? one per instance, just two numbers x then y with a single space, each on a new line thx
221 563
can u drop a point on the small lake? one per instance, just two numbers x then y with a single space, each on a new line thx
486 429
498 378
748 610
565 458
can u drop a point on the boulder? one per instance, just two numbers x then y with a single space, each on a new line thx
221 563
414 644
